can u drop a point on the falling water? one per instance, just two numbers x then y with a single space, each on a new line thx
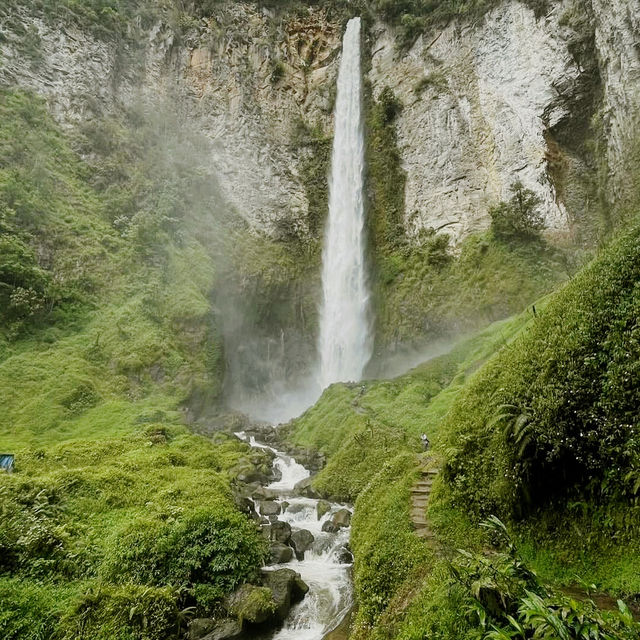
345 335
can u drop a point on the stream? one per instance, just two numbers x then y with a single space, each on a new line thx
322 566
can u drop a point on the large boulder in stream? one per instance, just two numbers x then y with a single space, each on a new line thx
329 527
277 531
280 553
252 604
304 489
301 541
269 508
210 629
342 518
287 588
262 493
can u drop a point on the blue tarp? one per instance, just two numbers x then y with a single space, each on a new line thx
6 461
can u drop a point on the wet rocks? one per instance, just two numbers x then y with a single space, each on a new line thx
277 531
329 527
304 488
287 588
323 507
344 555
280 553
301 540
210 629
262 493
342 518
269 508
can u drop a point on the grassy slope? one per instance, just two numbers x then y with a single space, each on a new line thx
113 337
372 439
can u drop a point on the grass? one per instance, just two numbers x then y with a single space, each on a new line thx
572 537
107 335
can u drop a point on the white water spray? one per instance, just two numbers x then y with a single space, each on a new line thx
345 343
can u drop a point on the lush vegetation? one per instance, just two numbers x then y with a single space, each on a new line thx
530 434
423 288
127 532
555 416
117 523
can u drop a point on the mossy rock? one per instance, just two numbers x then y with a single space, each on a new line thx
252 604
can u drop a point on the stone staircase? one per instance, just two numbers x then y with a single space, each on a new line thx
420 494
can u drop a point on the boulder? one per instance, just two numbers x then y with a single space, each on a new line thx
252 604
296 507
344 555
269 508
301 541
262 493
323 507
287 588
329 527
209 629
341 518
280 532
304 488
280 553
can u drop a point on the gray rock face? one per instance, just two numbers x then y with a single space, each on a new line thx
617 29
477 102
478 99
301 541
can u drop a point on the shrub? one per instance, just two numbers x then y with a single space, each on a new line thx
217 546
519 218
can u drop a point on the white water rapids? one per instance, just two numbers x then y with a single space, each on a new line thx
330 593
345 343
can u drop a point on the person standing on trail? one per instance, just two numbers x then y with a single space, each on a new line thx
425 441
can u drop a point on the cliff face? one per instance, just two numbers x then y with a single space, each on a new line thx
482 100
483 103
242 77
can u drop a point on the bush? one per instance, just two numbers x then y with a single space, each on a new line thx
519 219
216 546
555 414
505 599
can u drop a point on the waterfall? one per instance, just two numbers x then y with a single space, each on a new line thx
345 342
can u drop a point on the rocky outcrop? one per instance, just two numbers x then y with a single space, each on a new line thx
477 99
617 33
243 77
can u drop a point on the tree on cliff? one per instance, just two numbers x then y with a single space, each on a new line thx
519 218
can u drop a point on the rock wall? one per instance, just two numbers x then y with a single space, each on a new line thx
479 100
244 76
617 27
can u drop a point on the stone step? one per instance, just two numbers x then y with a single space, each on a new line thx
425 533
419 503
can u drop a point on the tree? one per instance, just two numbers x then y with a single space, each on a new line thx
519 218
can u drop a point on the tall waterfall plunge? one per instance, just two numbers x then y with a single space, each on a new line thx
345 342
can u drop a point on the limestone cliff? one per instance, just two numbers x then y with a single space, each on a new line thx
482 100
